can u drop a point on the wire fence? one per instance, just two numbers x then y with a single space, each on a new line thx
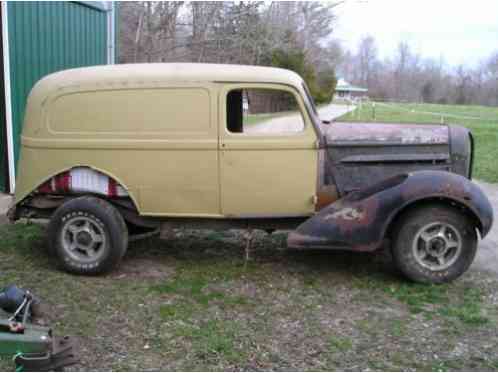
436 114
380 110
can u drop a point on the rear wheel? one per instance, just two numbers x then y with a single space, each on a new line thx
88 236
434 244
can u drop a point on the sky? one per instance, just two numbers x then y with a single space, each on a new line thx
460 31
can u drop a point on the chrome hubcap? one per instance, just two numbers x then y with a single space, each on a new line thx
83 239
437 246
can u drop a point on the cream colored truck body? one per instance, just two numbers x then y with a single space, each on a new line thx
159 130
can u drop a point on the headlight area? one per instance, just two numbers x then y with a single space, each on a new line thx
461 150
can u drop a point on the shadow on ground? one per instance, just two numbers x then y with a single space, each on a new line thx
228 248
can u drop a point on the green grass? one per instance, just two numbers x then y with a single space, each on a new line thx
214 338
340 344
250 119
451 302
469 308
398 328
484 129
191 303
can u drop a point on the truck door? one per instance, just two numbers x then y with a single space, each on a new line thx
268 152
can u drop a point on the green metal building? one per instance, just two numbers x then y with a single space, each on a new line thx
39 38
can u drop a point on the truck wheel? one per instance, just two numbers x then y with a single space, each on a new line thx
434 244
87 235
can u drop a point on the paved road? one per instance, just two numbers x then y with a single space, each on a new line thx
487 255
332 111
294 123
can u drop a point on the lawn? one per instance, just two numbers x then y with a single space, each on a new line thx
482 120
193 303
250 119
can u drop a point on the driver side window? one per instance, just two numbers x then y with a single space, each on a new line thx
254 111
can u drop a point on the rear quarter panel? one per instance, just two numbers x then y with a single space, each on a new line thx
158 141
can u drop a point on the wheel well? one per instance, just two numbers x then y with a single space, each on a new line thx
442 201
75 182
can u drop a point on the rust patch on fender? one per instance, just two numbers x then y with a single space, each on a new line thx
360 220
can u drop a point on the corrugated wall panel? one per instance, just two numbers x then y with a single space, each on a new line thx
3 119
45 37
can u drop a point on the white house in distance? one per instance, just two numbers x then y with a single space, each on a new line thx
347 91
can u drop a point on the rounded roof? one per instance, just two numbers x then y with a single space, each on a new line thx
170 72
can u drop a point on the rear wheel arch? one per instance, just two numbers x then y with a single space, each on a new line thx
117 180
42 200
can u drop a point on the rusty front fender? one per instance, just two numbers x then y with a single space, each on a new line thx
360 221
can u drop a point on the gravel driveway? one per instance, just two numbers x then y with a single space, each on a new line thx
487 255
332 111
292 123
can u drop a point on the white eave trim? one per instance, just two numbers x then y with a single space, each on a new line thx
8 102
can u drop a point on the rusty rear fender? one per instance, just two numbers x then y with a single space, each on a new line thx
361 220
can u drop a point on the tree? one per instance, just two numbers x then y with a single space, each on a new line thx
492 67
427 92
400 70
294 35
367 60
462 86
321 86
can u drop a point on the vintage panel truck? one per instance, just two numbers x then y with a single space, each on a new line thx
113 151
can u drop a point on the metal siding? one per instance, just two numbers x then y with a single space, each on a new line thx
3 121
46 37
117 25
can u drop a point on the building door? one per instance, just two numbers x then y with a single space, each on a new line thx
4 171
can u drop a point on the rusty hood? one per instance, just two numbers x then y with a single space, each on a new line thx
386 133
359 154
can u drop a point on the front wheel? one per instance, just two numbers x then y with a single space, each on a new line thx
434 244
87 235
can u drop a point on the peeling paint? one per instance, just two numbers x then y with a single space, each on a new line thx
347 213
359 221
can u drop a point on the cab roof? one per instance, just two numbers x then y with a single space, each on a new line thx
169 72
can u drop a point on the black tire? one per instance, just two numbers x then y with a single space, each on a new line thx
410 245
100 229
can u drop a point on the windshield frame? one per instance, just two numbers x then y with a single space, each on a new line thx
312 112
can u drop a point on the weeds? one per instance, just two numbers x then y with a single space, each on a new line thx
340 344
285 311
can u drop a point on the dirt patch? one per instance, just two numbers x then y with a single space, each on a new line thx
193 303
142 268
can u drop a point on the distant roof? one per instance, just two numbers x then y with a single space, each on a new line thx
343 86
99 5
171 72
